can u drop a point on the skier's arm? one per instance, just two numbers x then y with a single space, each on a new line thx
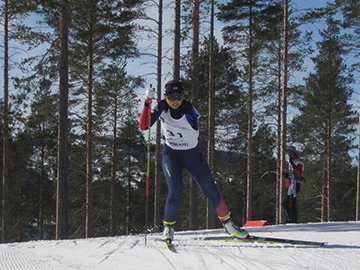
192 116
144 117
157 109
298 168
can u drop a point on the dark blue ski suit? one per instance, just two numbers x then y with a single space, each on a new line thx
181 152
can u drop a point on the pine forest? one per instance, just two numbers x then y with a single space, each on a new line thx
264 75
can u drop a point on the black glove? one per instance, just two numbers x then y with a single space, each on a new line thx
292 163
286 175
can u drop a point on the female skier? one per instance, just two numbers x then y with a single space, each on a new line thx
182 151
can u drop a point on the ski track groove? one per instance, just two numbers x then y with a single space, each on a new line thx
254 262
217 256
112 240
237 256
217 251
240 258
122 247
322 263
200 257
164 253
112 251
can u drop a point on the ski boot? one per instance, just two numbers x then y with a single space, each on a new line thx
232 229
168 233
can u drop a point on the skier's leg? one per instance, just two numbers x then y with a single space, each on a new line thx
173 175
293 211
197 166
201 173
286 205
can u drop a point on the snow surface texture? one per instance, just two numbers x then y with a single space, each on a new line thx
129 252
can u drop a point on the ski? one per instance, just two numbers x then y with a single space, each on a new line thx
169 245
262 239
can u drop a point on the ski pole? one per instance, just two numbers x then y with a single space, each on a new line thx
148 172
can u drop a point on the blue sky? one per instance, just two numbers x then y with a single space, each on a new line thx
139 66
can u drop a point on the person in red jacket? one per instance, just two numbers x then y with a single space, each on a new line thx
294 180
181 151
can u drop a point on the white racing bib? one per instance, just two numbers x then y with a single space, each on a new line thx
292 189
179 134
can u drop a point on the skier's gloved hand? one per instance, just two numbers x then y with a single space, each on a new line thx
286 175
149 94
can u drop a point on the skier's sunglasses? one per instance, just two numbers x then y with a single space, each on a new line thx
174 97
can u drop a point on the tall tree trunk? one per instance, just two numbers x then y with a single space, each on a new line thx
176 56
284 108
328 169
5 177
358 177
128 195
250 125
113 173
211 121
195 96
278 141
89 140
41 194
62 223
324 191
157 222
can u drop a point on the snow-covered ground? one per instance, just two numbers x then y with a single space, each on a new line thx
129 252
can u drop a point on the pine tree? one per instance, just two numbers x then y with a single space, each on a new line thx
62 217
351 11
116 114
101 30
16 31
109 34
243 34
326 118
41 131
5 176
230 123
